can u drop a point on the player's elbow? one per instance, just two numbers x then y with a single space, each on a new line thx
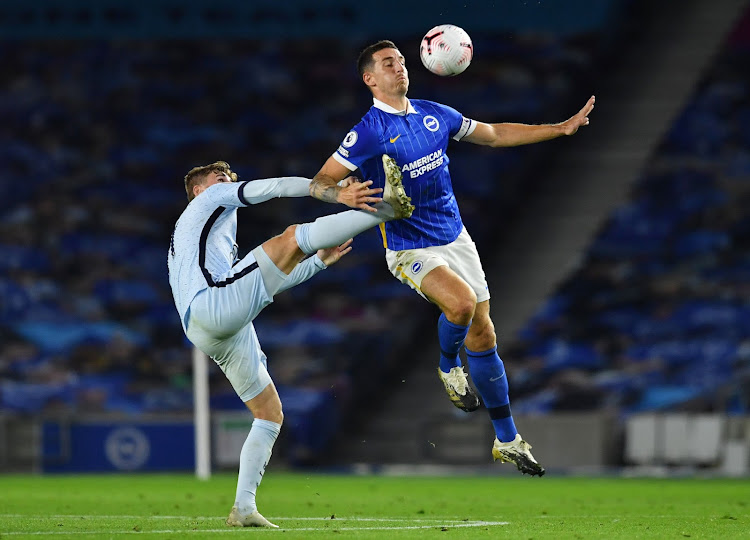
502 139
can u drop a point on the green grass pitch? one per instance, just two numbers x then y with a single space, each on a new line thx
331 506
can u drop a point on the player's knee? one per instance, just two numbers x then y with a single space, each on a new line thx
272 412
275 412
461 310
289 240
481 335
267 406
487 335
288 235
465 312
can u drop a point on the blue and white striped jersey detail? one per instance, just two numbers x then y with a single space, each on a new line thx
417 139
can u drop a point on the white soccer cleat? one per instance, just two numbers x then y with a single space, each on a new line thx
458 389
393 191
255 519
517 452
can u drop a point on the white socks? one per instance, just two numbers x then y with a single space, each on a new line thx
256 452
335 229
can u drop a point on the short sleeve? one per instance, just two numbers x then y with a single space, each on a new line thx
467 128
359 145
458 125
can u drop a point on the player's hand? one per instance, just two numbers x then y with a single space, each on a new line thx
360 195
348 181
571 125
333 255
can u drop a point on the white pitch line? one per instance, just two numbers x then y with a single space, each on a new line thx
327 518
437 523
455 519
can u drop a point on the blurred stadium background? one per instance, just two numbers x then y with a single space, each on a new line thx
617 259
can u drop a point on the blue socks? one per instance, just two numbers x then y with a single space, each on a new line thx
488 373
451 338
253 460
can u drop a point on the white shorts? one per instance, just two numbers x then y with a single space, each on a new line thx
410 266
220 323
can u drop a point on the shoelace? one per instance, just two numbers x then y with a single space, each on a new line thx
522 446
457 379
525 448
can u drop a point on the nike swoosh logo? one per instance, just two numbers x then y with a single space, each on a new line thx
394 139
493 379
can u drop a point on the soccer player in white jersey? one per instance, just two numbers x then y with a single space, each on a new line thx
218 295
431 251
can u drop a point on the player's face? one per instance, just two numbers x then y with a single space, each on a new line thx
389 71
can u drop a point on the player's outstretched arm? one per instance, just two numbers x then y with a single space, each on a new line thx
325 186
258 191
509 134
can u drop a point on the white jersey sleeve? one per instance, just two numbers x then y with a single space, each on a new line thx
258 191
241 194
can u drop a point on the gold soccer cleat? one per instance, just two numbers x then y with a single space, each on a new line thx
458 389
393 191
517 452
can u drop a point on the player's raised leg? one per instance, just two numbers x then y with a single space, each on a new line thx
488 373
335 229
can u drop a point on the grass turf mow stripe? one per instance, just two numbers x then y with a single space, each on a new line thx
369 507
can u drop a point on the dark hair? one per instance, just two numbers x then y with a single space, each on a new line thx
364 62
197 175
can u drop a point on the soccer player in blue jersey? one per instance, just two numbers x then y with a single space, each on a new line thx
218 294
431 251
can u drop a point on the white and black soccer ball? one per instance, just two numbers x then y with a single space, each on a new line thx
446 50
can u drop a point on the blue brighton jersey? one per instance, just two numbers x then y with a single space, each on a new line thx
417 139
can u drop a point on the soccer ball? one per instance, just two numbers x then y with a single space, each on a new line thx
446 50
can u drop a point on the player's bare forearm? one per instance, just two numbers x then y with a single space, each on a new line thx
354 194
325 188
520 134
509 134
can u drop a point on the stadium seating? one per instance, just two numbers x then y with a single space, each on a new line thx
99 135
656 317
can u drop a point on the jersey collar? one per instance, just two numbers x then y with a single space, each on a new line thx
387 108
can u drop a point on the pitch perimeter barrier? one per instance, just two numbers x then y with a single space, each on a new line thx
120 446
566 443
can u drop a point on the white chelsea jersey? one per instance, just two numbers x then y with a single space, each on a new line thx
203 246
